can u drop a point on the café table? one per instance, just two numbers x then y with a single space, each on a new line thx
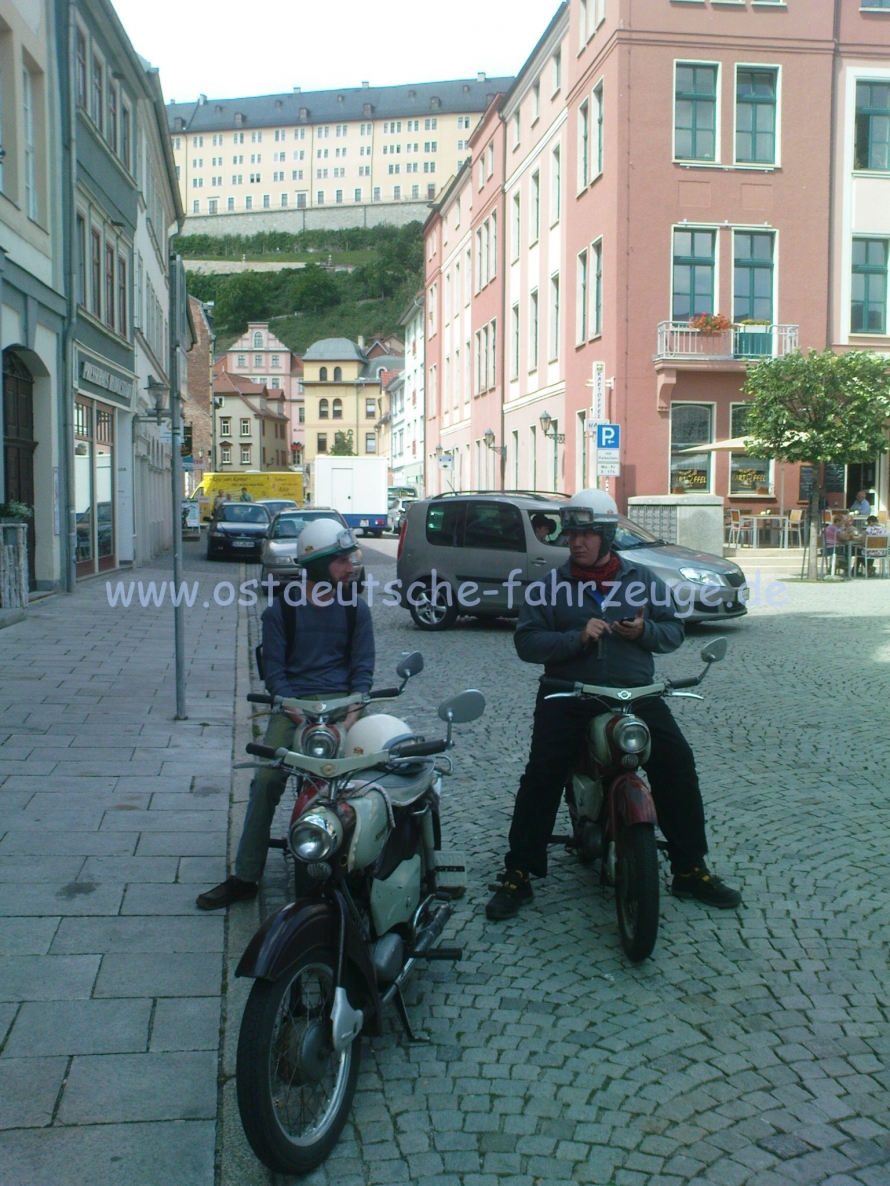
772 522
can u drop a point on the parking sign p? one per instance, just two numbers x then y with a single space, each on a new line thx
608 436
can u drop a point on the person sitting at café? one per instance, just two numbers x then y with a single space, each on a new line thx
830 548
872 528
861 505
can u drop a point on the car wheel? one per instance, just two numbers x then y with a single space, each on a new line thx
434 613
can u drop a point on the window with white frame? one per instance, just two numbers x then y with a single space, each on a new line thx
533 331
556 64
583 145
691 425
695 111
514 341
598 131
555 184
535 208
516 226
225 426
596 309
581 299
554 316
245 427
245 454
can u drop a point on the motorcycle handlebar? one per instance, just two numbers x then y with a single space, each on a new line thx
261 751
420 749
691 681
259 698
383 693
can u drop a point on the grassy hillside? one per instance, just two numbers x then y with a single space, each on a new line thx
347 320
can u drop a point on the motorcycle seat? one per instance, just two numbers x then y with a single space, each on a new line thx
407 785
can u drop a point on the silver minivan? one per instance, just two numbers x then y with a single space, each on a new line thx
485 537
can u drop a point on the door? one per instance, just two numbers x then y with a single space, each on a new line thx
494 546
545 551
19 443
341 490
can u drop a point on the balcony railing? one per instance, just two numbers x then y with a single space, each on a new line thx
677 339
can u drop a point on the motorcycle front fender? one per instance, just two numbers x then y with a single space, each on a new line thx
299 927
632 801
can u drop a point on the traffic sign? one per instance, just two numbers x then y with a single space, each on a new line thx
608 469
608 436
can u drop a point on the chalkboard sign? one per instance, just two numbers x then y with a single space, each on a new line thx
835 480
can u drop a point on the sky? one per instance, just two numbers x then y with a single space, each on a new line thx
225 49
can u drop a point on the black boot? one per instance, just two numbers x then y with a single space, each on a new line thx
233 889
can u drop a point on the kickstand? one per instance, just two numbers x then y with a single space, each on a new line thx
410 1036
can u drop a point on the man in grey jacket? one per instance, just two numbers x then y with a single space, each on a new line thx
604 619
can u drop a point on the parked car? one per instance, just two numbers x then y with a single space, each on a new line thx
484 537
274 505
237 528
279 555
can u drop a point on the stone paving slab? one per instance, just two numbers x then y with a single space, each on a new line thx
79 1027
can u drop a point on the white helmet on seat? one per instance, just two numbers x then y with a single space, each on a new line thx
591 510
373 734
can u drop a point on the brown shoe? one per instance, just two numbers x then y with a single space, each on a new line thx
233 889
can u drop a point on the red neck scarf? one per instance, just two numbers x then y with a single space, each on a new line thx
603 573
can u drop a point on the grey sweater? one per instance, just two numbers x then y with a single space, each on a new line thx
318 661
551 633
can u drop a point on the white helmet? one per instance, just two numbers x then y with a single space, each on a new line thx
373 734
323 539
591 510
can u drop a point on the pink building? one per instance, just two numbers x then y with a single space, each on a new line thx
266 361
653 163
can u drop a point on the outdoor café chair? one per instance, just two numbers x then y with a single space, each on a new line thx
796 524
874 550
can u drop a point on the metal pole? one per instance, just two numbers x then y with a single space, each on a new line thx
176 481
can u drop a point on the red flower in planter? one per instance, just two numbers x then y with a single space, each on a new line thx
710 323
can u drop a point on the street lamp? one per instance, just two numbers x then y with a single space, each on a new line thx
489 439
545 420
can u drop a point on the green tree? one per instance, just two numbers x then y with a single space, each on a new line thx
313 288
241 298
343 445
817 408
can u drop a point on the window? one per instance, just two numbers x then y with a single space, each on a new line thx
225 426
555 185
81 247
126 136
80 53
245 426
242 360
370 408
535 212
514 342
557 70
111 122
695 112
396 193
196 206
109 285
755 116
693 274
323 374
245 454
248 202
598 112
494 526
596 320
430 125
581 300
321 442
337 410
319 197
554 318
122 322
690 426
516 227
533 331
517 128
752 277
213 206
747 475
98 105
338 375
198 141
226 454
582 25
28 128
583 145
370 442
869 291
323 408
356 195
872 126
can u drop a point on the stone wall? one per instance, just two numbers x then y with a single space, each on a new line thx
312 218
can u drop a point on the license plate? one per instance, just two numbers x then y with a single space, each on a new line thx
242 543
363 523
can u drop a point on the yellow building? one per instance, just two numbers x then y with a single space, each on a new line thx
355 147
342 395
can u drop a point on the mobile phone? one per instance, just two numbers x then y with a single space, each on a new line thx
626 621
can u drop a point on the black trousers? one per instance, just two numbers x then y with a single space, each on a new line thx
557 739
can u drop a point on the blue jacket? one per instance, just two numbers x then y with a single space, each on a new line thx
551 633
318 661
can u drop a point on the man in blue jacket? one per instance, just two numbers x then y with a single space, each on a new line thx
322 647
607 637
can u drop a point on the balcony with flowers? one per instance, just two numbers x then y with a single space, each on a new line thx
713 338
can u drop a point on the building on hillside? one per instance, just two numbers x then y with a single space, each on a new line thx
406 405
698 160
265 360
251 427
378 344
197 412
346 150
343 398
34 460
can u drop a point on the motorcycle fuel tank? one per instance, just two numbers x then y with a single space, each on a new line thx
395 900
371 828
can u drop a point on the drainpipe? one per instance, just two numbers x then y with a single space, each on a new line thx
502 264
174 271
835 55
69 220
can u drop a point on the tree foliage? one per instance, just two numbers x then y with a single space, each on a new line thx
312 289
344 444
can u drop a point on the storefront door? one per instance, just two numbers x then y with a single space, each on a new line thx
94 486
19 443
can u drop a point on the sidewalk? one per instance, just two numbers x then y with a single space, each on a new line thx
112 817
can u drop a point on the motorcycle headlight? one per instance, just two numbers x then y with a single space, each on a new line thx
631 736
318 741
701 576
315 835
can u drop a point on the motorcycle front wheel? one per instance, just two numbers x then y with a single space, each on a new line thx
636 890
294 1089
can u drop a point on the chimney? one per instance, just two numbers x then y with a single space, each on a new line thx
202 99
361 342
480 77
297 90
365 85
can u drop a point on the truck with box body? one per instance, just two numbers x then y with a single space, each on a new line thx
354 486
271 484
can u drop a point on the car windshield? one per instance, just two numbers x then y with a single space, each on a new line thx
547 530
243 512
632 535
290 526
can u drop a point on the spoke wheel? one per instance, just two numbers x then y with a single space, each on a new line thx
434 613
636 890
294 1089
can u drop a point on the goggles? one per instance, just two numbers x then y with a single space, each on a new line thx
346 541
584 518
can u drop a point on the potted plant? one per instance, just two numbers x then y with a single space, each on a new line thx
753 339
15 512
14 554
710 324
678 488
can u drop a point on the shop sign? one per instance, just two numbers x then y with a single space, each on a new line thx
90 372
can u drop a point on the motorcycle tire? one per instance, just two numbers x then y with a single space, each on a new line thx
636 890
434 615
294 1091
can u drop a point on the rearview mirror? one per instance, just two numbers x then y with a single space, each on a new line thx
714 651
463 708
411 665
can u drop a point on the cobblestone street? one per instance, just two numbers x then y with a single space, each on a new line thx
752 1047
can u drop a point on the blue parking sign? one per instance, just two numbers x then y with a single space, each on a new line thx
608 436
